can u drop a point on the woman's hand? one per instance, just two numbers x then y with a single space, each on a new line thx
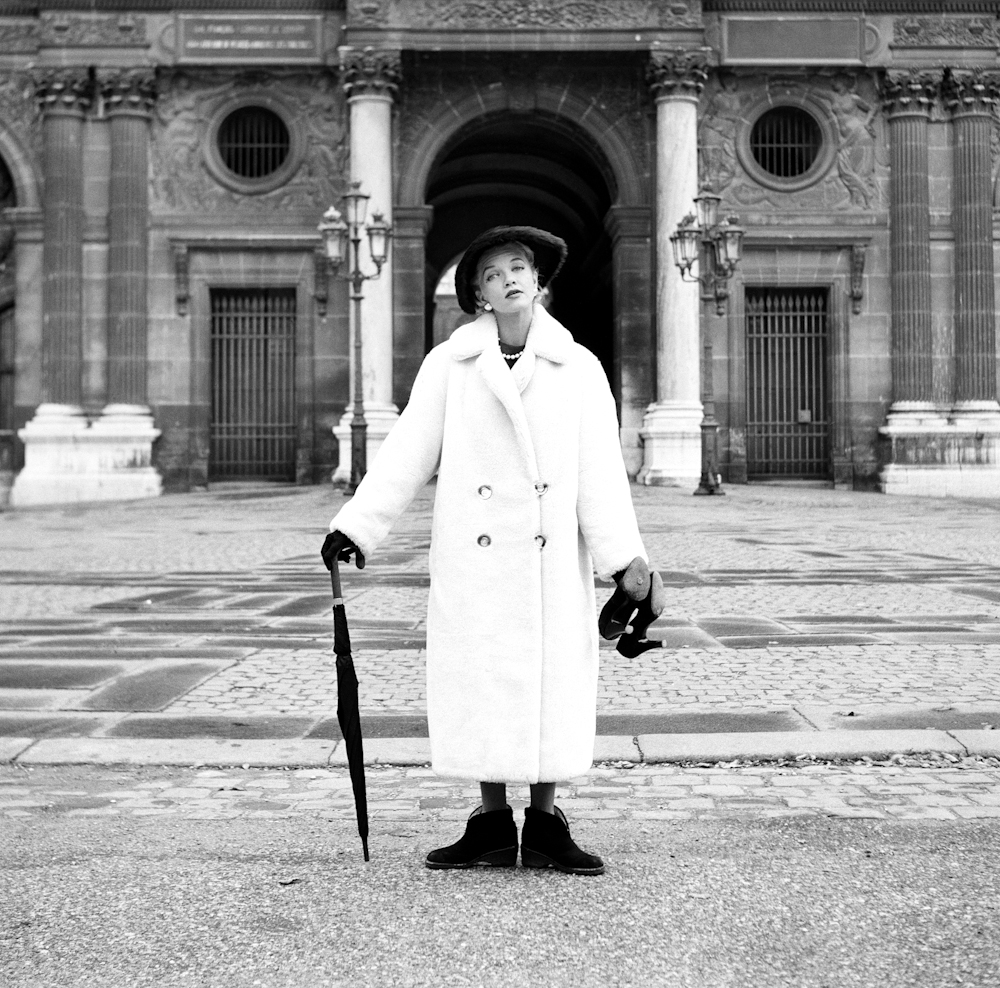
338 546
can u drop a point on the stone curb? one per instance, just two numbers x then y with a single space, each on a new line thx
646 748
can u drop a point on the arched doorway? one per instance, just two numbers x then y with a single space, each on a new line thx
529 168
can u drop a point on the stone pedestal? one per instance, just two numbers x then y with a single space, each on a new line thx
68 459
380 419
670 432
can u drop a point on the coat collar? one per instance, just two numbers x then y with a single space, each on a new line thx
546 338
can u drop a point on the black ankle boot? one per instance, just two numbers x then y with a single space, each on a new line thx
546 843
490 839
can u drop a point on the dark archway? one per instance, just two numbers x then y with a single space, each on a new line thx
530 168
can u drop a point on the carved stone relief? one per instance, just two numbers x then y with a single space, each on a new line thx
19 37
934 32
60 30
563 15
855 179
19 110
182 183
995 152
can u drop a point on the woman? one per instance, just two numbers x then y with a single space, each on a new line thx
519 424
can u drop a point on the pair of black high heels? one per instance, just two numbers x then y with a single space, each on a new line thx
490 840
636 603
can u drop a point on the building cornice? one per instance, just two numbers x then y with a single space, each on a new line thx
850 6
19 8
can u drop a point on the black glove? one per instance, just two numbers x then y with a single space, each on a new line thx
338 546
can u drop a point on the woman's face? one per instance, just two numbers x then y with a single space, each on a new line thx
507 281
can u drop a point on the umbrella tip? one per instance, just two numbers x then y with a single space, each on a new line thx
364 844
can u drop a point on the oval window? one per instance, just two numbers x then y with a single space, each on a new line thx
786 141
253 142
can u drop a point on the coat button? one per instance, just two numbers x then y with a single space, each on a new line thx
540 541
484 540
541 487
485 492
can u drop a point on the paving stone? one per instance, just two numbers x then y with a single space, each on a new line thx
140 726
152 689
55 675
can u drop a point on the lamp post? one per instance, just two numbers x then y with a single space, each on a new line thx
717 247
336 236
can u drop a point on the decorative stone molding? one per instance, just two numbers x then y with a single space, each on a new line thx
182 279
321 281
945 32
507 15
62 30
858 252
371 70
19 110
910 92
64 89
971 92
128 89
677 73
19 38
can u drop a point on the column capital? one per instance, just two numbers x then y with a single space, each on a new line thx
909 92
63 90
974 92
680 73
128 90
371 71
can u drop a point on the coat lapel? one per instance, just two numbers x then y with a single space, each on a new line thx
546 339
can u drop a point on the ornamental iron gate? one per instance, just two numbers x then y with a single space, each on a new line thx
788 422
253 384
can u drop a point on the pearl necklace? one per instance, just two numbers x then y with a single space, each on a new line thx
512 356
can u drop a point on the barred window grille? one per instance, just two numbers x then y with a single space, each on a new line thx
786 141
253 142
253 430
788 424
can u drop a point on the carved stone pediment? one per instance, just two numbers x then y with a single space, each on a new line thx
557 15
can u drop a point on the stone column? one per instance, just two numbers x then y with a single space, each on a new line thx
409 238
124 434
671 430
50 438
930 450
907 98
371 78
971 97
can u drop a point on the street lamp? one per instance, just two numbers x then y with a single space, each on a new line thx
717 247
337 236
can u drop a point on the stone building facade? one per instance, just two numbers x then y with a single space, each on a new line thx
168 318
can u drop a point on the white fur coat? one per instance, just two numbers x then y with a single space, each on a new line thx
531 487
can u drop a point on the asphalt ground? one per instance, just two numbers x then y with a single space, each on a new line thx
801 788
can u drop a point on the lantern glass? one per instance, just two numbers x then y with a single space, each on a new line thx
378 238
707 204
355 205
685 244
729 244
333 230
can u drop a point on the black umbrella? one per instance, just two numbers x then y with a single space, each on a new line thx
347 706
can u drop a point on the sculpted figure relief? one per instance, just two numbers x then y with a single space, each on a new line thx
855 120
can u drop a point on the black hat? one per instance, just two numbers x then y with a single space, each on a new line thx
549 251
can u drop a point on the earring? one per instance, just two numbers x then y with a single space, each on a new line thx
487 307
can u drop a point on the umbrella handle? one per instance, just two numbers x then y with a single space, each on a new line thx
335 581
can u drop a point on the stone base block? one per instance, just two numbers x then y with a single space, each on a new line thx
671 436
952 454
68 459
380 419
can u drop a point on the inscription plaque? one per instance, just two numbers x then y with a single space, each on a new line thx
249 38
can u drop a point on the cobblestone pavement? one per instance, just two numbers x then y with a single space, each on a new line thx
904 788
808 603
